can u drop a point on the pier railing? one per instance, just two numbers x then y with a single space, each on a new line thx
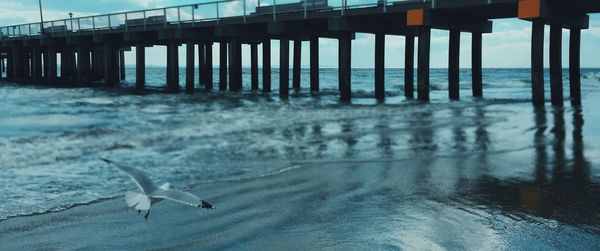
192 14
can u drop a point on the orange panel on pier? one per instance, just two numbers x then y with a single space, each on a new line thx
415 17
530 9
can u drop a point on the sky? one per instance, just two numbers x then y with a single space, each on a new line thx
508 46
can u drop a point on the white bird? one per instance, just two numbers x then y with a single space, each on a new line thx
152 194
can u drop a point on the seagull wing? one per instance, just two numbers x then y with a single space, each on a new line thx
140 178
179 196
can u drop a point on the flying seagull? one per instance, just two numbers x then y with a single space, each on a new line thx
152 194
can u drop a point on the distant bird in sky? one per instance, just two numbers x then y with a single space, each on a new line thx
152 194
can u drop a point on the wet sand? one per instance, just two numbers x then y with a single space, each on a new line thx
459 202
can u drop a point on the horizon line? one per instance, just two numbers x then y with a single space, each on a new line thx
415 68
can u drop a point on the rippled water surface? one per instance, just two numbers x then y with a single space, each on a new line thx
51 140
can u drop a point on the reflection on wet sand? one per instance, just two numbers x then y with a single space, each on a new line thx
560 189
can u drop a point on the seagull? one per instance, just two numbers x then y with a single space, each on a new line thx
152 194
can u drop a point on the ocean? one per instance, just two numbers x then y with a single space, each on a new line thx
51 140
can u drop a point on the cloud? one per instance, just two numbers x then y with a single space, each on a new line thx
147 3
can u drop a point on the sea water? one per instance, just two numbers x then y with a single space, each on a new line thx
51 139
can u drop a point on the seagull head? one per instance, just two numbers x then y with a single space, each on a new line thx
167 186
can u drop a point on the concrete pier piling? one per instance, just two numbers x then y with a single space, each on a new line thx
235 65
409 67
208 60
454 65
52 65
254 66
223 66
190 67
345 65
284 67
423 64
46 66
202 64
83 65
27 65
122 71
10 65
379 66
67 66
314 64
2 67
537 62
18 59
266 66
140 66
476 64
556 82
172 67
296 66
36 64
97 64
575 66
111 70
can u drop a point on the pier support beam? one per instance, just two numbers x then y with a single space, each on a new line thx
223 66
314 64
296 67
345 66
173 67
18 58
453 65
46 66
64 66
476 64
266 67
208 61
575 66
83 65
380 66
556 82
202 64
190 67
423 69
122 65
235 65
52 65
27 66
111 70
2 67
537 62
409 67
67 65
284 67
254 66
97 64
10 65
36 64
140 66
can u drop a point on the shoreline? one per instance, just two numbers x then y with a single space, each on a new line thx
352 205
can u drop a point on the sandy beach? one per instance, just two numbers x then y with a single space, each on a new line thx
429 203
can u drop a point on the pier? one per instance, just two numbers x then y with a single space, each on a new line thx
91 49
